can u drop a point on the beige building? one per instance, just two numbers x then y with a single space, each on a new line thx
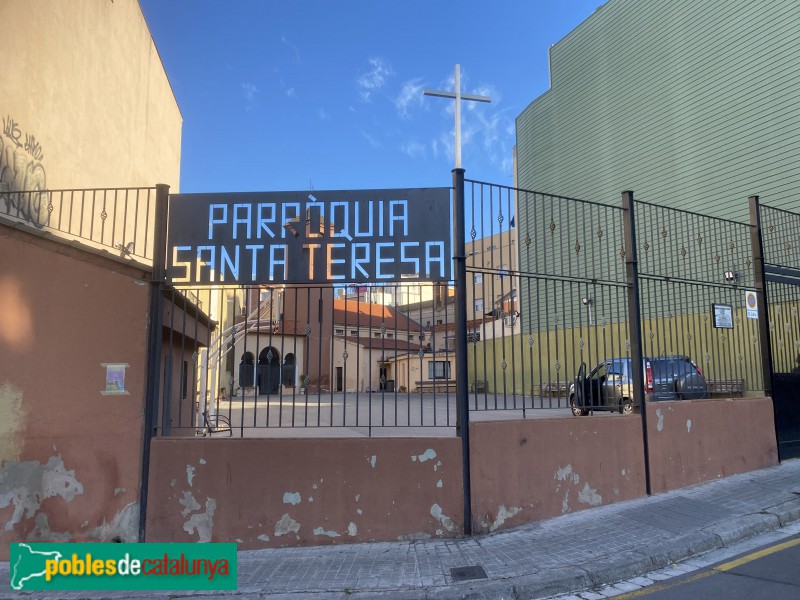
367 339
492 294
492 262
85 103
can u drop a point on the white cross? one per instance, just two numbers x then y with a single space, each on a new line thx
458 96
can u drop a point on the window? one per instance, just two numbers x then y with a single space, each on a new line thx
353 332
503 271
477 278
479 306
376 334
600 371
614 371
338 331
439 369
438 321
389 335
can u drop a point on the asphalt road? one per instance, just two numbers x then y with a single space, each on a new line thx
768 573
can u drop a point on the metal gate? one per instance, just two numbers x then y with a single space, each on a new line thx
326 311
777 232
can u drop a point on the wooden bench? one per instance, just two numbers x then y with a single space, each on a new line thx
726 386
448 385
554 388
215 424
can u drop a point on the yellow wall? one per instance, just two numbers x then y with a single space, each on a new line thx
361 369
409 369
555 355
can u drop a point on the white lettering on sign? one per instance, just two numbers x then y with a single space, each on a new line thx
244 221
314 237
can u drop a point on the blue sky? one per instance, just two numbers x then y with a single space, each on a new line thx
328 95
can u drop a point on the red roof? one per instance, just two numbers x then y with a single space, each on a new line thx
363 314
383 344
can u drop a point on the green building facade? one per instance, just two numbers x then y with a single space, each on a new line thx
693 105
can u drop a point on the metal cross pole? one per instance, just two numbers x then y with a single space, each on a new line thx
460 260
458 97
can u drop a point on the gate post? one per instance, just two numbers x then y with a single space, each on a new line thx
757 244
759 278
156 318
635 323
462 398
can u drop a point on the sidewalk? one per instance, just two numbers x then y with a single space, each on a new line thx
573 552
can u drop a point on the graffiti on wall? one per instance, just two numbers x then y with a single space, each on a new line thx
21 170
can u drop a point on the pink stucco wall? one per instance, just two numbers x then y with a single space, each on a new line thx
286 492
530 470
535 469
701 440
69 456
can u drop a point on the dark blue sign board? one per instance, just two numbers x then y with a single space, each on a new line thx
356 236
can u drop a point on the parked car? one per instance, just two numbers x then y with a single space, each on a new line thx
609 386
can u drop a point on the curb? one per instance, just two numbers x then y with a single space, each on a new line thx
744 527
613 569
787 512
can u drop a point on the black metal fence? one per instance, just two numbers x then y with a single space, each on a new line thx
555 301
547 293
547 288
780 231
569 296
695 274
351 357
775 239
119 220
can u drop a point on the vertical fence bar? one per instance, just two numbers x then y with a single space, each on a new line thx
462 406
760 283
635 322
153 345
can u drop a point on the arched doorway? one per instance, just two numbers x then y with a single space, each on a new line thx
269 371
288 370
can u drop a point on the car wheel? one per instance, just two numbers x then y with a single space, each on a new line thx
692 387
577 410
626 407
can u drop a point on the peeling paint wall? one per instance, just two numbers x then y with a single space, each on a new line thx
525 471
272 492
263 492
699 440
25 485
70 457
